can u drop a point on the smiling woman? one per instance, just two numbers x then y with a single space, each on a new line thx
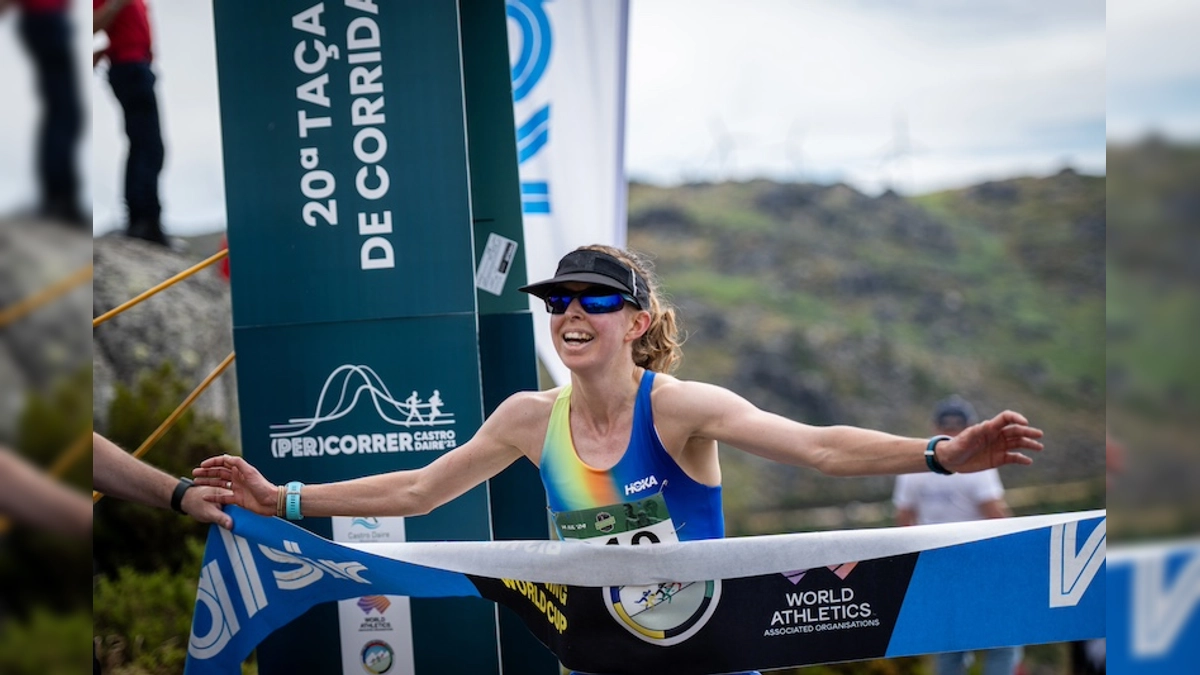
627 453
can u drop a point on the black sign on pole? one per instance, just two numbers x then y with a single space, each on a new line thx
355 320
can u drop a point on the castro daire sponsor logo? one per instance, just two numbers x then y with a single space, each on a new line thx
426 424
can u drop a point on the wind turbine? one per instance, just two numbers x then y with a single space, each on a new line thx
793 151
724 150
899 151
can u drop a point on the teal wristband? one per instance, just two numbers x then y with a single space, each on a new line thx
292 501
931 459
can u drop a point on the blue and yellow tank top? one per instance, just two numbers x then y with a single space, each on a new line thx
644 471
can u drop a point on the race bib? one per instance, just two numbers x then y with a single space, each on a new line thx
661 614
645 521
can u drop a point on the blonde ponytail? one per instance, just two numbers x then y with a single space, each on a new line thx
660 348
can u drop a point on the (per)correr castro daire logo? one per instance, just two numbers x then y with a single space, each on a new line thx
425 414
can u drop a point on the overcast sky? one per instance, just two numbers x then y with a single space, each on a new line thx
918 95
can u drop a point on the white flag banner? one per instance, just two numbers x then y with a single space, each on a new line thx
693 607
568 66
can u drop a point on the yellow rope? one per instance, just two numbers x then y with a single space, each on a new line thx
76 449
162 286
44 296
174 416
72 454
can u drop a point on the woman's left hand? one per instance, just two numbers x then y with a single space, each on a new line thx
990 444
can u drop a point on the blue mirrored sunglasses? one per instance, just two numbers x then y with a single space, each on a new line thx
593 301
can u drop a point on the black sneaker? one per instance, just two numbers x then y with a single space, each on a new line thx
148 231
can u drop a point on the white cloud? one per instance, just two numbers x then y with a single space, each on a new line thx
1153 69
817 89
846 74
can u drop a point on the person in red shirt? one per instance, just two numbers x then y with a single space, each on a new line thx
45 30
129 54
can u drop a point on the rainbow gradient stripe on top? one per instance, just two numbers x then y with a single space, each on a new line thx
570 484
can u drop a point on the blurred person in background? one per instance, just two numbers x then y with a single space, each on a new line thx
32 498
46 33
129 55
927 498
1114 459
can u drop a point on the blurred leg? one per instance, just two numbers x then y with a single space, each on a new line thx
133 85
1001 661
950 663
47 38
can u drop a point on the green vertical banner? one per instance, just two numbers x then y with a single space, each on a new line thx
355 325
506 347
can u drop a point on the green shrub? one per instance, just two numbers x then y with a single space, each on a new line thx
38 569
144 618
50 423
46 643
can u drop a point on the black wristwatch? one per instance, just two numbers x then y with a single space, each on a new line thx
177 495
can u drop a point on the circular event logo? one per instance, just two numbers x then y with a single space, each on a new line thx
663 614
377 657
605 522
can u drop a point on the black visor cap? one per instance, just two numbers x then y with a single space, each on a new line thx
594 267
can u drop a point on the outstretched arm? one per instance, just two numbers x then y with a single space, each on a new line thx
119 474
31 497
717 413
399 493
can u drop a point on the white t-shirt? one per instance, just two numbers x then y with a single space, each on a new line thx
947 499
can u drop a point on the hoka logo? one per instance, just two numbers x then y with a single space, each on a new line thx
639 485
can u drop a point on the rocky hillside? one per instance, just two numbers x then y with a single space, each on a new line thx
47 343
829 306
188 325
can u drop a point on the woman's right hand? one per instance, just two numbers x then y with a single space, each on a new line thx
239 483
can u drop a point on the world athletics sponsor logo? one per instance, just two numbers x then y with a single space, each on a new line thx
823 609
345 387
378 603
374 624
